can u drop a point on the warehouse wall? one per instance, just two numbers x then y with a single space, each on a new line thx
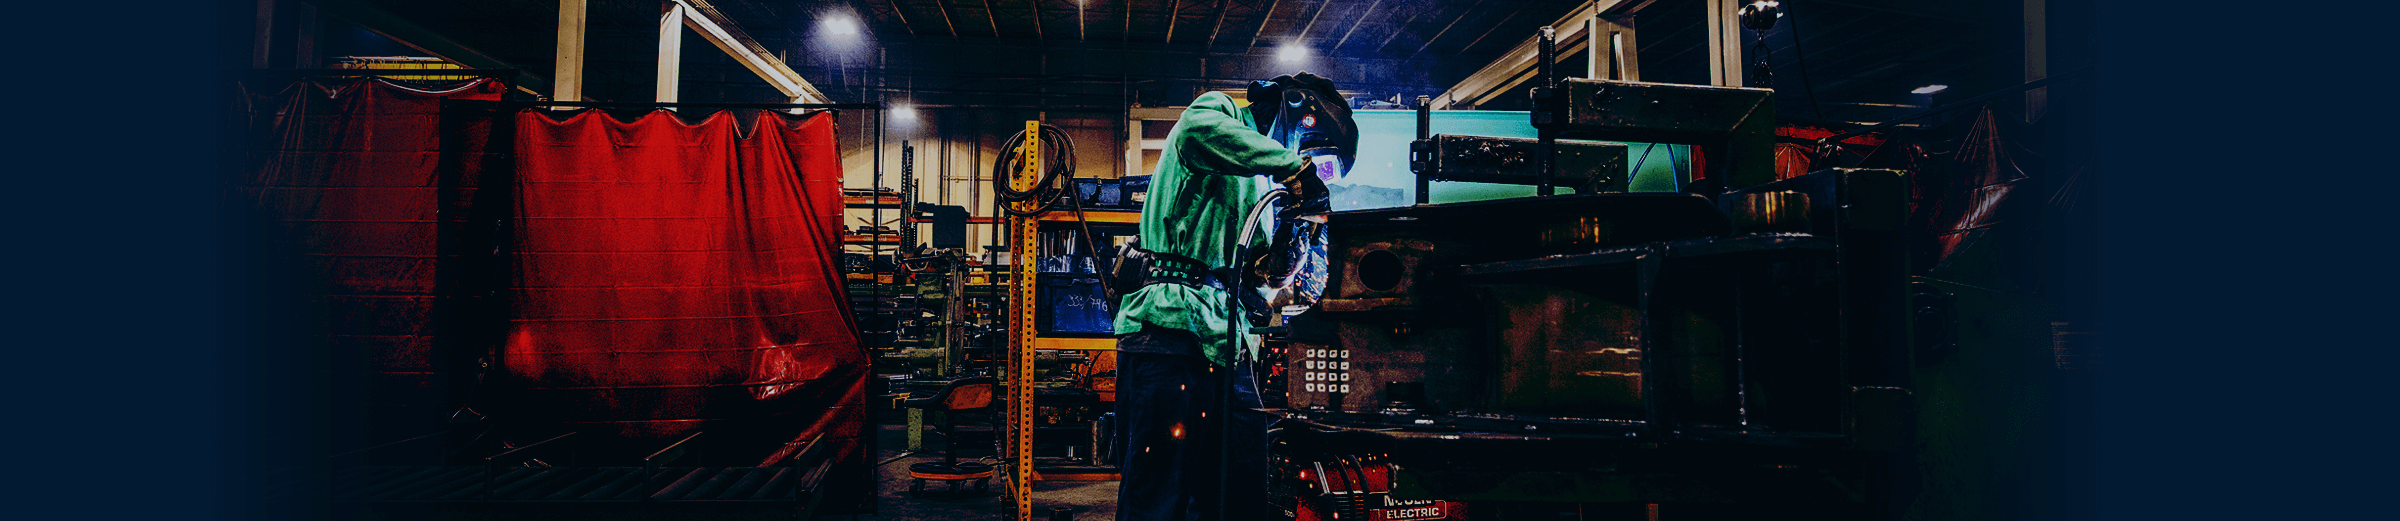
955 149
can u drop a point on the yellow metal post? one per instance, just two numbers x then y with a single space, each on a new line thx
1020 372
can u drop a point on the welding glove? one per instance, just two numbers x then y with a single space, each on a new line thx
1303 185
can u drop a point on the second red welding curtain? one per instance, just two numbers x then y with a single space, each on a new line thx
361 194
670 277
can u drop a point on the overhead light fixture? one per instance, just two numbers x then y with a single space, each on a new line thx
1929 89
1292 52
905 112
841 26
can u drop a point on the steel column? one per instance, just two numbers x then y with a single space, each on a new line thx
1020 353
262 33
670 53
1724 43
304 39
569 67
2037 59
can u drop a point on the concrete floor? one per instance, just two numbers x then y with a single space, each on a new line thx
1090 500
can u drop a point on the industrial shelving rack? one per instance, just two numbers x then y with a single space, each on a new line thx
1024 339
1099 350
879 298
1050 222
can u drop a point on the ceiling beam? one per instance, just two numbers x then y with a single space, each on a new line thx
1815 33
1263 18
1515 66
722 32
1446 29
1512 15
384 23
1912 13
1520 79
1615 49
1847 53
993 16
1356 21
1412 20
912 29
1312 22
1219 26
944 6
1172 13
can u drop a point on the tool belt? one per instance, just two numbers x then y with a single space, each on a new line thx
1137 267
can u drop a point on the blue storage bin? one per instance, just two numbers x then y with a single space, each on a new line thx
1111 193
1133 190
1087 189
1072 303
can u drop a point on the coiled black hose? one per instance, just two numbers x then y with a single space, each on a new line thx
1058 155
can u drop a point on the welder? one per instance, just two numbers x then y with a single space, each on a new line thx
1176 329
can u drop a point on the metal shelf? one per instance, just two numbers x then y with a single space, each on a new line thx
970 220
878 201
1075 343
1092 216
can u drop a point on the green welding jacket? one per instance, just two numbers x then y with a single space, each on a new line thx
1214 167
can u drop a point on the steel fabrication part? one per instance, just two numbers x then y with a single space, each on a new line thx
1734 126
1611 325
1587 166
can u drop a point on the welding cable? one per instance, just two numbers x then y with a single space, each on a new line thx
1677 164
1222 403
1091 247
1357 467
1061 169
1637 164
1058 154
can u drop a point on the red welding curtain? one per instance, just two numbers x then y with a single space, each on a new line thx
669 277
361 201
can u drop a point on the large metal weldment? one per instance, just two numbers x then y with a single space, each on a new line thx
1586 324
1691 338
1634 313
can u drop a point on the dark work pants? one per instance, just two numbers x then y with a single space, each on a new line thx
1170 476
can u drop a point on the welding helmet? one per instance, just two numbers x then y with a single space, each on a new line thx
1305 114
